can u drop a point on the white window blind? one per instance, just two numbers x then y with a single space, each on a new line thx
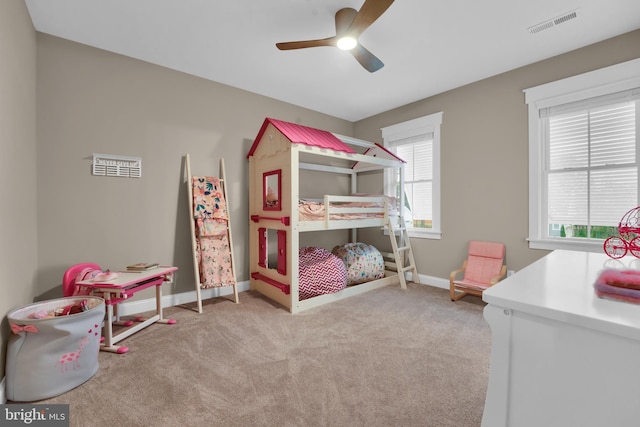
583 165
591 160
417 142
417 152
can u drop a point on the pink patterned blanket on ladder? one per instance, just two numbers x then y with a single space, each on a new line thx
213 252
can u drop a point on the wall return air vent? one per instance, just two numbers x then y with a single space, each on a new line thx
553 22
112 165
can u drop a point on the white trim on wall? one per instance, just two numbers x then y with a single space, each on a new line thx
149 304
436 282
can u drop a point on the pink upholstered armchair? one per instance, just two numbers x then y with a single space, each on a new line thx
483 268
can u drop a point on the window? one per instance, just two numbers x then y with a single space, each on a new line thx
417 142
271 190
583 157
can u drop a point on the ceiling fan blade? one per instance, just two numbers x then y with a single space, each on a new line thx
367 59
344 18
367 15
330 41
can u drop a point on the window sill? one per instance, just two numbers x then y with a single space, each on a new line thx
420 234
595 246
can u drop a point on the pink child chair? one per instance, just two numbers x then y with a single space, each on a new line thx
84 271
69 279
483 268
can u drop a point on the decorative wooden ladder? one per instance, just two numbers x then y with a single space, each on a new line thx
194 245
402 252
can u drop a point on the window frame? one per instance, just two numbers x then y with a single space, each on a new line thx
429 124
604 81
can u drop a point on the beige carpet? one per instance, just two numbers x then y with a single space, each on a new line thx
390 357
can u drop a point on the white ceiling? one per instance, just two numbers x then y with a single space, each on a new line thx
427 46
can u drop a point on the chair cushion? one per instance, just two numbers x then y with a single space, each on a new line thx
484 262
486 249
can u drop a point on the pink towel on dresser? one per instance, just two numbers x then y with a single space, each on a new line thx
620 285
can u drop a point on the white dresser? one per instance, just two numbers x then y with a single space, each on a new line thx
561 356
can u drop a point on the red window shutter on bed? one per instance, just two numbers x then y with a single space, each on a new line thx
282 252
262 247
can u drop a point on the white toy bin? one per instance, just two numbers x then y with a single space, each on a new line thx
50 350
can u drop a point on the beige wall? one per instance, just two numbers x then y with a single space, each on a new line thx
90 100
18 227
484 154
93 101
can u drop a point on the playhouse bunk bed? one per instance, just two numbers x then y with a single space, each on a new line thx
283 270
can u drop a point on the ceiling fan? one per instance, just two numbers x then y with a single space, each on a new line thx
350 24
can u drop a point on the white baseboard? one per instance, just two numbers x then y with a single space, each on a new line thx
149 304
3 397
436 282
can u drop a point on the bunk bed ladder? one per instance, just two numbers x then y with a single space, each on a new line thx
402 251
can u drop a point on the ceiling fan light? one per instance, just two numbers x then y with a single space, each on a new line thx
347 43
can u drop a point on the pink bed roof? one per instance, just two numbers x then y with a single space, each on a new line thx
299 134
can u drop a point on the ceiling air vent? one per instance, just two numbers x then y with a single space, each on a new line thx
553 22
